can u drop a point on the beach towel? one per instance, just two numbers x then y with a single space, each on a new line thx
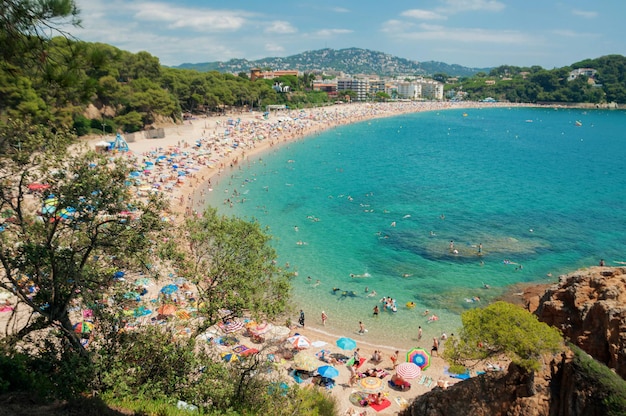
240 349
378 407
402 402
351 362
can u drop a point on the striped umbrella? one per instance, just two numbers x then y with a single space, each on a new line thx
299 341
408 371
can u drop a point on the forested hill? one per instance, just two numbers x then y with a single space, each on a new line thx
351 61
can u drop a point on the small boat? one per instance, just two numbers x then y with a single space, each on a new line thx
578 123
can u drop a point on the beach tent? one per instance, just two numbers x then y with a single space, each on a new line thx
120 144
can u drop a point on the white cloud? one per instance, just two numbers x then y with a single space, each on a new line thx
274 48
422 14
200 20
280 26
473 5
465 35
332 32
587 14
573 34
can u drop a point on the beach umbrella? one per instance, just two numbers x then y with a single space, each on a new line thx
233 326
38 186
169 289
371 385
132 295
299 341
141 311
346 343
305 362
418 356
83 327
408 371
229 357
328 371
167 309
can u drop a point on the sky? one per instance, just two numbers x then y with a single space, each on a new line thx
472 33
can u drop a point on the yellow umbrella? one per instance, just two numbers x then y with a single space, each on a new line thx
305 362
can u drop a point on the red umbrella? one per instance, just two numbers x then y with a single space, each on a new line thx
408 371
38 186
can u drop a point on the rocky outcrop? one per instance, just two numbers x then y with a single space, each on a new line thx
589 307
561 389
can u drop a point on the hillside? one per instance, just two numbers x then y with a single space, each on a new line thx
351 60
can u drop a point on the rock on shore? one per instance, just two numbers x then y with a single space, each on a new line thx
589 307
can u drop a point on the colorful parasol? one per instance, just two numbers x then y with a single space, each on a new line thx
408 371
83 327
305 362
167 309
299 341
371 385
418 356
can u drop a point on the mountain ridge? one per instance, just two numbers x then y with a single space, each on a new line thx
348 60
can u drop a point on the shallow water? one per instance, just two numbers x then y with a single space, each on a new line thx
382 200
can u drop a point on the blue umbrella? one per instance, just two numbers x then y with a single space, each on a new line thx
169 289
328 371
346 343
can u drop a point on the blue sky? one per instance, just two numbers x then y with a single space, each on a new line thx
474 33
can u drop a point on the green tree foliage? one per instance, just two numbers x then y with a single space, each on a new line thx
233 268
25 25
57 245
503 329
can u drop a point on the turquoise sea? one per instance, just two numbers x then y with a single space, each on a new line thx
374 205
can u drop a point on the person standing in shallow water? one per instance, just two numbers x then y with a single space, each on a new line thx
301 320
324 318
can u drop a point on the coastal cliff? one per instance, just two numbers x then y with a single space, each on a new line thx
589 307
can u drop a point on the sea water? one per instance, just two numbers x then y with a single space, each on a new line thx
373 207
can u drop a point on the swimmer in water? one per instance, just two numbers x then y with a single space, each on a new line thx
371 294
406 275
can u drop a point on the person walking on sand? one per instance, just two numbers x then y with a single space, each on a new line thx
301 319
435 348
324 318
